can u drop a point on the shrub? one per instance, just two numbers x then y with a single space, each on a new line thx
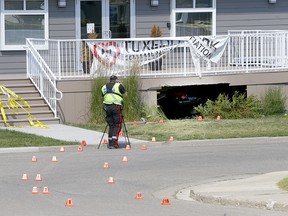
239 106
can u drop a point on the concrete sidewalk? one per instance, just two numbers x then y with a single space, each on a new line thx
69 133
259 191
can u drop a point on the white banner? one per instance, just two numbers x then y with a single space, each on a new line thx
207 47
118 54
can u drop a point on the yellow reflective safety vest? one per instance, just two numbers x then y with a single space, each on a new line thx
112 96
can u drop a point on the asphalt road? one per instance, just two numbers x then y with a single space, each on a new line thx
160 171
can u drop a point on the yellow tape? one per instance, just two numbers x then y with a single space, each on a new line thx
12 104
2 111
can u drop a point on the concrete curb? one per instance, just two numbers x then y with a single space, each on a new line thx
257 191
268 205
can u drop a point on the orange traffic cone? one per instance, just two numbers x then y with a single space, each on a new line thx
80 149
106 165
62 149
24 177
45 190
105 141
54 159
111 180
161 121
34 159
34 190
166 201
153 139
171 139
144 147
83 143
38 177
139 196
125 159
218 118
69 202
121 134
128 147
200 118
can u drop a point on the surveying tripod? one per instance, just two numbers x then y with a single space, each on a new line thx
127 141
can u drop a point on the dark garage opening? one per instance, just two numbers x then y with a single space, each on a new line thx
179 102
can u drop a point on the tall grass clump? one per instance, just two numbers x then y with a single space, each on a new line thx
273 101
239 106
134 109
97 111
132 103
152 113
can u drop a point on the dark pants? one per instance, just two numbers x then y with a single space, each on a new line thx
114 120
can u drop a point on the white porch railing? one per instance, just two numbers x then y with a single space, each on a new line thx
42 76
246 52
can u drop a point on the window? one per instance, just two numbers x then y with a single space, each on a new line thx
194 3
193 17
21 19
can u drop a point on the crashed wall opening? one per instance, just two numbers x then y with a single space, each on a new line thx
179 102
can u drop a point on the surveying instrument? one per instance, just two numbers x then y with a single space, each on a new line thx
127 141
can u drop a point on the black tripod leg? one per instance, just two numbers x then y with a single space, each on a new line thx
126 133
102 136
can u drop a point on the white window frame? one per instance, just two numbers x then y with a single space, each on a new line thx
175 10
105 21
3 12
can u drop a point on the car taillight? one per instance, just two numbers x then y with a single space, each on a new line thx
183 97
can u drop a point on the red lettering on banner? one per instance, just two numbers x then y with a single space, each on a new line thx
106 53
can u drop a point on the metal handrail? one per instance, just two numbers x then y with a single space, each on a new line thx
42 77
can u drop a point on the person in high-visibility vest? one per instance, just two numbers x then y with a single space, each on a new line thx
113 93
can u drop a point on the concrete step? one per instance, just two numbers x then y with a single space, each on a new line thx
31 101
33 107
10 81
23 115
25 89
27 93
17 87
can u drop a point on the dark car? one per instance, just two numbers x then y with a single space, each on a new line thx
177 104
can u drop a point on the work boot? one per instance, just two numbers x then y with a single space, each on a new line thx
110 144
115 143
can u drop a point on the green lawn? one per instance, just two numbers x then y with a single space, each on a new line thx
9 138
191 129
187 129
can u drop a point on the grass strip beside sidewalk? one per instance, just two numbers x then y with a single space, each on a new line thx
11 139
186 129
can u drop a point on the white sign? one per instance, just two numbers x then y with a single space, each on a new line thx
90 28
